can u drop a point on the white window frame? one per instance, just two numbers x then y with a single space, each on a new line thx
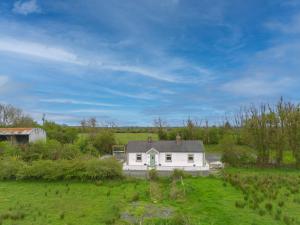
138 155
168 155
188 158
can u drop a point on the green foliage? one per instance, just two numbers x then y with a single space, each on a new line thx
85 146
238 156
152 174
61 169
7 149
177 174
51 149
235 155
63 134
9 168
103 141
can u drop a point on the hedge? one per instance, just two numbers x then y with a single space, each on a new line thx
92 169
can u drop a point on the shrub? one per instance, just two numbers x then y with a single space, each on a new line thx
9 168
261 212
152 174
85 146
61 169
281 203
269 206
238 156
135 197
177 174
240 204
103 141
9 150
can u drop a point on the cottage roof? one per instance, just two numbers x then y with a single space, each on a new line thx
165 146
16 131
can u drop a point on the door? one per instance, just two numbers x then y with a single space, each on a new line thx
152 160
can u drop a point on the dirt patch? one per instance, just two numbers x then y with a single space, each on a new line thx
139 211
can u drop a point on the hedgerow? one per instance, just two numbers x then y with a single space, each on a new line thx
78 169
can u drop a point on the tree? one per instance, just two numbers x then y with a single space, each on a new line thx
83 124
103 141
256 127
12 116
63 134
161 128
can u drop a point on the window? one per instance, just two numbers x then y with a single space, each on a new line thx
190 157
139 157
168 157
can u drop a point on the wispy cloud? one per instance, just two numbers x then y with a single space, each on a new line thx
291 26
257 86
3 81
38 50
76 102
26 7
143 96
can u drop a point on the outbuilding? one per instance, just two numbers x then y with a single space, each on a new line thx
22 135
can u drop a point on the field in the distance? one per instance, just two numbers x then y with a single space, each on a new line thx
123 138
207 201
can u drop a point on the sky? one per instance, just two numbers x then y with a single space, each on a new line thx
132 61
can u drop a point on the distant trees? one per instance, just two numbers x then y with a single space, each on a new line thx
14 117
190 131
161 130
63 134
272 128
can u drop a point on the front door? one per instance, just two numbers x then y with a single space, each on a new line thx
152 160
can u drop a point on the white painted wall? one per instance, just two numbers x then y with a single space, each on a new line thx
37 134
178 160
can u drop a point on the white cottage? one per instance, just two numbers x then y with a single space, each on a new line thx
166 155
22 135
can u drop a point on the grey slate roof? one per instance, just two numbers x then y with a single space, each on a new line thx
165 146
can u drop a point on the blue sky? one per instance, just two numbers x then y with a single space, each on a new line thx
132 61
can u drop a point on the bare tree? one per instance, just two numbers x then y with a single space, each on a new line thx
161 128
12 116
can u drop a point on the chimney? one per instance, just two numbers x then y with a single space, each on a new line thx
178 139
149 139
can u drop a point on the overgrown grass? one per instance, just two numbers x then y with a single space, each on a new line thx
202 200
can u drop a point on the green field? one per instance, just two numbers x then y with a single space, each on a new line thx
123 138
202 200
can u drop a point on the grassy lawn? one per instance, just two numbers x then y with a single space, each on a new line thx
123 138
206 200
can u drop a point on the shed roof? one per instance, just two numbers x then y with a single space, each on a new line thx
16 131
165 146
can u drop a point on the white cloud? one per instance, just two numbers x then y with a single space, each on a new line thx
75 102
38 50
289 27
143 96
3 81
257 86
26 7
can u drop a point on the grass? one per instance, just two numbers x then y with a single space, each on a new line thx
202 200
123 138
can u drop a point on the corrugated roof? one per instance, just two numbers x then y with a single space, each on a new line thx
165 146
15 131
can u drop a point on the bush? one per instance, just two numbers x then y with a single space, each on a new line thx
238 157
240 204
7 149
50 150
85 146
177 174
9 168
103 141
152 174
61 169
